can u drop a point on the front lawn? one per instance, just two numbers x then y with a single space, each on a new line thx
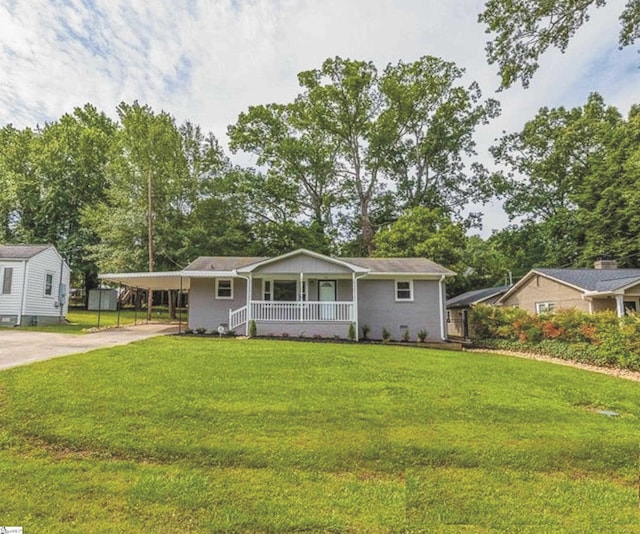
79 321
207 435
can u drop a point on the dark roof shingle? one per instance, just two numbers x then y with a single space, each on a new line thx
21 252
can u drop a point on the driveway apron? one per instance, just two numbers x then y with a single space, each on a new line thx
20 347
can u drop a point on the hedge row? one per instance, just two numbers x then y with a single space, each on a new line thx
600 339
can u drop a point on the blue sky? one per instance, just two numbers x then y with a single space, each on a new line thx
208 60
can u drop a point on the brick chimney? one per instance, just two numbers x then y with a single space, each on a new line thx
605 264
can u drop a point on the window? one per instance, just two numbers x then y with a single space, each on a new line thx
542 307
281 290
7 279
303 291
267 290
404 290
224 288
48 284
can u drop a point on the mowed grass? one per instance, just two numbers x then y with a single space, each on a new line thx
79 321
208 435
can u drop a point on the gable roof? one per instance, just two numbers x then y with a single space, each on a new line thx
372 265
592 281
474 297
21 252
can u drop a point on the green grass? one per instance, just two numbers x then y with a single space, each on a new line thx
207 435
82 321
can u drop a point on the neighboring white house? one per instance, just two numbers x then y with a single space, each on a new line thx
34 285
306 294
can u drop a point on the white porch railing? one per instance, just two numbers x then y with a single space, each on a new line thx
306 311
237 317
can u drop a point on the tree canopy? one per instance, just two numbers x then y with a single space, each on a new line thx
523 30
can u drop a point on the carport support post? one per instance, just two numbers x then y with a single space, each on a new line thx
99 304
118 305
180 308
135 308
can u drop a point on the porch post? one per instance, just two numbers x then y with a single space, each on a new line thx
620 305
249 299
354 303
300 296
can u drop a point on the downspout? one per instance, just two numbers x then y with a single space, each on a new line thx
21 310
441 288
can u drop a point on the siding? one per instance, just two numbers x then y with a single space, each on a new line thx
541 289
378 309
10 304
302 264
36 303
205 311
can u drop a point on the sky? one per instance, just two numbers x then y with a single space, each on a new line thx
208 60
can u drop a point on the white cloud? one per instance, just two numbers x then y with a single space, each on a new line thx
207 60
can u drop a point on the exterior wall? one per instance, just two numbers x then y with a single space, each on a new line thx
378 309
205 310
10 304
37 305
541 289
604 304
301 263
310 330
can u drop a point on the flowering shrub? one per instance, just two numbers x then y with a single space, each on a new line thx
601 339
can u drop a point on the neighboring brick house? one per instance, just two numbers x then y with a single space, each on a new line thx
605 287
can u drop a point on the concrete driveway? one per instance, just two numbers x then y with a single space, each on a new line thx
20 347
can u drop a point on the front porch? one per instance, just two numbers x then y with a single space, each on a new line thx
295 314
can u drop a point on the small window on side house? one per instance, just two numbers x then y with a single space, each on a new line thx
224 288
404 290
543 307
7 280
48 284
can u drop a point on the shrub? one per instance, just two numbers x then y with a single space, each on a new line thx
253 328
201 330
386 335
405 335
351 333
422 335
365 331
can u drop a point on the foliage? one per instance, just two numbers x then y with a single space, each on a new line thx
385 334
353 132
365 331
422 335
405 335
325 437
524 29
601 339
351 333
253 328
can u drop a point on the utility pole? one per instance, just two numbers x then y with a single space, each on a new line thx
150 240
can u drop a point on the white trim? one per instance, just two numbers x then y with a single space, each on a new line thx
218 280
23 297
395 290
44 289
3 274
545 306
443 325
316 255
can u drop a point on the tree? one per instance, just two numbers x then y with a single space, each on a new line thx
353 132
547 165
524 29
430 233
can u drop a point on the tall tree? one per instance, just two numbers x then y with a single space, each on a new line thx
547 164
524 29
354 135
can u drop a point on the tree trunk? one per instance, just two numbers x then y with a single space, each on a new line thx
366 231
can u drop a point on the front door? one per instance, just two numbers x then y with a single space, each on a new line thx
327 293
